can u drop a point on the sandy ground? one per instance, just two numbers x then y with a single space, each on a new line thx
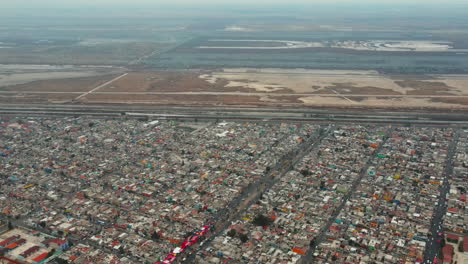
251 87
168 82
255 100
349 82
21 78
371 45
176 99
61 85
238 81
26 98
280 44
390 102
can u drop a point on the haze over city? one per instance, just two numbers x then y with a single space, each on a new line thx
220 131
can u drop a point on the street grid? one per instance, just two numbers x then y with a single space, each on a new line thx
221 220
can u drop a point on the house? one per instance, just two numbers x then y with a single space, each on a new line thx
448 254
465 245
56 243
29 251
41 258
453 238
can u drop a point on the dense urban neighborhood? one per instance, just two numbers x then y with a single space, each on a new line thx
84 190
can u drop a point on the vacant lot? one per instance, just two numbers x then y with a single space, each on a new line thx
169 82
346 82
61 85
100 54
250 87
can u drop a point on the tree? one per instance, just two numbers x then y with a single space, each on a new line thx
61 261
232 233
322 185
243 237
305 172
51 253
442 243
10 226
261 220
155 236
312 243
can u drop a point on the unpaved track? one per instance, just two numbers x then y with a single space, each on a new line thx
228 93
100 86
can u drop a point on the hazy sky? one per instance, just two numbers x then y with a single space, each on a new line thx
70 3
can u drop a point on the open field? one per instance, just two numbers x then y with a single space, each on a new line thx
99 54
13 76
61 85
372 45
243 87
343 82
390 52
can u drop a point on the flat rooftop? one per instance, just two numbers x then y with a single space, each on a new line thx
33 238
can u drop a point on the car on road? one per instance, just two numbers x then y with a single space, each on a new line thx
170 258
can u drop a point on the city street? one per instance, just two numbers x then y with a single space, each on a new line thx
253 193
321 235
433 246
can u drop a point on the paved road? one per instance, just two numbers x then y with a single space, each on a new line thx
437 230
221 112
308 258
239 205
253 117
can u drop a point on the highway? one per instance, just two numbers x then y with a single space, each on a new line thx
240 204
249 114
433 245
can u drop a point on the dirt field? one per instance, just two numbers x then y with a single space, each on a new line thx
428 87
168 82
43 98
351 82
181 100
248 87
61 85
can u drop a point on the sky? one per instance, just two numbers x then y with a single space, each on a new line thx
78 3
